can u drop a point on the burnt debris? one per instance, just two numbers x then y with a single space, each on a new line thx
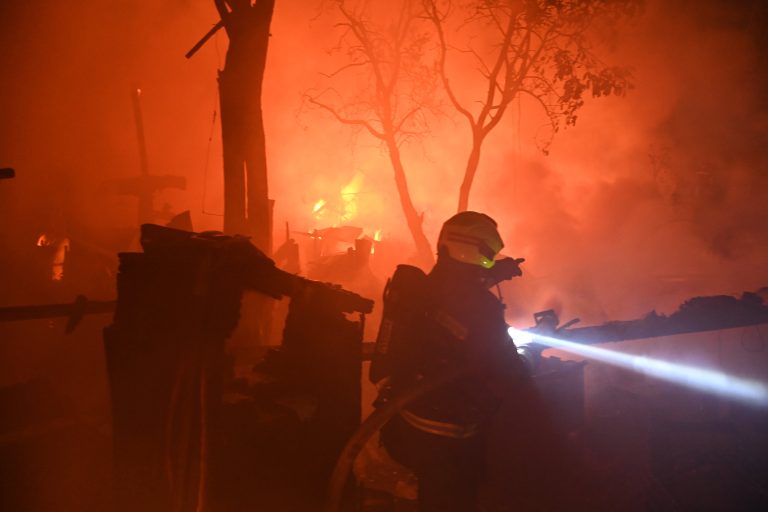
180 438
698 314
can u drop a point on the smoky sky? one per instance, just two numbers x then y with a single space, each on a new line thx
651 198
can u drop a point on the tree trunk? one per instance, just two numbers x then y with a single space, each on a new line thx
424 253
469 173
247 208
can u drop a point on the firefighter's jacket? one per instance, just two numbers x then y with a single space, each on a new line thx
462 326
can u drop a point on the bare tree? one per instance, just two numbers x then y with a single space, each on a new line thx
544 49
391 87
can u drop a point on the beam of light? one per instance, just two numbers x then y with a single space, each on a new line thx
710 381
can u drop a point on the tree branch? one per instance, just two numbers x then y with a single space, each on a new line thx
501 60
410 113
434 16
344 120
344 68
221 7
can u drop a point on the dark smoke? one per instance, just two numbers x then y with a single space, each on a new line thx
660 195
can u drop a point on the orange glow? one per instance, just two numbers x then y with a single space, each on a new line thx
594 198
647 201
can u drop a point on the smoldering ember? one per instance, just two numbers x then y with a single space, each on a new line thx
369 256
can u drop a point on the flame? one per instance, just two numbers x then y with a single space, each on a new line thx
350 197
318 207
344 206
61 248
376 239
59 259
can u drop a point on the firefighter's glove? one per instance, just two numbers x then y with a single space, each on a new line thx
506 268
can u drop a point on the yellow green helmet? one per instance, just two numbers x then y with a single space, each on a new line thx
470 237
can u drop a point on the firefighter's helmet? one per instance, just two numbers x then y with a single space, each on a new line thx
470 237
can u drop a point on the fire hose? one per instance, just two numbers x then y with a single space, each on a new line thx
373 424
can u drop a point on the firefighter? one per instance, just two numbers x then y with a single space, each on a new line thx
440 323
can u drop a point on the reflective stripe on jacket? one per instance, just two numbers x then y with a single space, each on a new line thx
440 428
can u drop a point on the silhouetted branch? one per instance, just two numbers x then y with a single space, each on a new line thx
344 120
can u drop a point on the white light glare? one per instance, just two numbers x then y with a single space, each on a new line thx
709 381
